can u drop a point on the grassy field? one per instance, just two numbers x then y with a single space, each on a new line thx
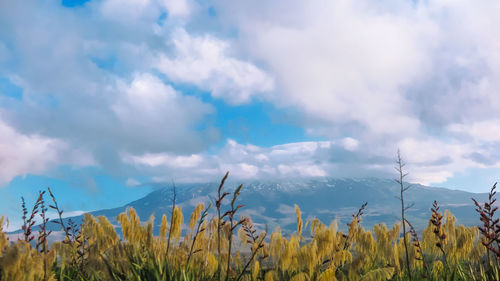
225 246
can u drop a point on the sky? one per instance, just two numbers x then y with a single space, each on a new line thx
102 100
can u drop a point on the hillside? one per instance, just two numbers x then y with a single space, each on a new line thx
271 203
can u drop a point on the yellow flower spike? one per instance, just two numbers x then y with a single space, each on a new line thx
242 236
177 220
163 228
314 226
269 276
328 275
374 254
195 216
21 262
384 273
256 270
478 250
276 244
108 236
211 263
126 225
3 237
148 232
385 241
437 269
299 220
301 276
396 256
237 260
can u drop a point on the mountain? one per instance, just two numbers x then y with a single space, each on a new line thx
271 203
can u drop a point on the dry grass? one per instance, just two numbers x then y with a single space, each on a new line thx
224 247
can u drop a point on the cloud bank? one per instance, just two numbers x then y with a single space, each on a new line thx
109 81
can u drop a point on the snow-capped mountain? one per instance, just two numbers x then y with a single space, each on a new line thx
272 203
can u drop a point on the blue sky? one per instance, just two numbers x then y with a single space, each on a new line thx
103 99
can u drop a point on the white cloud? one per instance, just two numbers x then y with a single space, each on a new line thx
242 170
431 160
154 114
301 170
350 143
164 159
205 61
243 161
369 76
307 148
22 154
132 182
341 61
423 76
177 8
481 131
94 92
147 101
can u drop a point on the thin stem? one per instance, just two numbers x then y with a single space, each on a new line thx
232 226
218 204
61 221
254 252
198 231
402 175
171 218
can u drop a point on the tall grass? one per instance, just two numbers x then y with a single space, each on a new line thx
227 247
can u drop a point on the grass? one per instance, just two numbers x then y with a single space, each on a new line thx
224 247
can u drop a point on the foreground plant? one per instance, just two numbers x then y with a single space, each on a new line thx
490 230
404 207
207 249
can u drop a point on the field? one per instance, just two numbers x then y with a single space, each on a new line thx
225 246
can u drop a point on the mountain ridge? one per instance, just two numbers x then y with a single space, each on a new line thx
272 202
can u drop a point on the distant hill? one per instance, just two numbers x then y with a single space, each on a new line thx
271 203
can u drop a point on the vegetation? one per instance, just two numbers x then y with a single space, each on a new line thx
224 247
